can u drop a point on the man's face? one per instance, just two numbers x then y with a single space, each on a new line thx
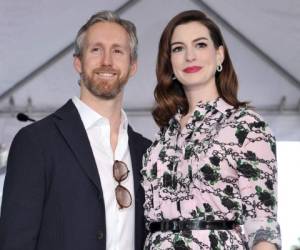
105 65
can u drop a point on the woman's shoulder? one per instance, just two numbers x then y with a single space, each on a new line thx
242 115
247 123
245 116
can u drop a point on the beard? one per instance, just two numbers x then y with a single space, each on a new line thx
104 88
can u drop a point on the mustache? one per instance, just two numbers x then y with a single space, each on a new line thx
105 69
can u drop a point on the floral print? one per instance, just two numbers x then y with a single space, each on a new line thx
220 166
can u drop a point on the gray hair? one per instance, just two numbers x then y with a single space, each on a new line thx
107 16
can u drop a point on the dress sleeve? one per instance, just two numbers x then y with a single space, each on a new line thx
257 169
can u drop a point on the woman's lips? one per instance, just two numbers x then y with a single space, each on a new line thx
192 69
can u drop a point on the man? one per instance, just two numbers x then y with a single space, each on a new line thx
73 178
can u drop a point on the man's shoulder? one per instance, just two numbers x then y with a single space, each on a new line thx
45 124
138 137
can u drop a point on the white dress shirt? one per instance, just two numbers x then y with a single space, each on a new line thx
119 222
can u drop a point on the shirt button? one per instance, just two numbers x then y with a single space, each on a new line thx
99 235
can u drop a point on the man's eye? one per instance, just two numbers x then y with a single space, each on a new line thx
118 51
96 49
177 49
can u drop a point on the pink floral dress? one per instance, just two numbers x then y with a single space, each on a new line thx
220 166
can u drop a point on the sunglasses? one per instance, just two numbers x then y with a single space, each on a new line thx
120 173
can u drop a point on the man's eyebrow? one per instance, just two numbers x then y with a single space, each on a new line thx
114 45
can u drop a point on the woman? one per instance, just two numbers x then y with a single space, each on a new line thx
210 175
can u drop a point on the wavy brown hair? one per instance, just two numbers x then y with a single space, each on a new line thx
169 93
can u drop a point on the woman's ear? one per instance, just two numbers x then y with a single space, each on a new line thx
220 55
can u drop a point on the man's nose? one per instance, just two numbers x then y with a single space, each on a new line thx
107 58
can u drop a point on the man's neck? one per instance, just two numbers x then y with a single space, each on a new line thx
110 109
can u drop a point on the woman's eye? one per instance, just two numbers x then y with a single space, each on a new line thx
201 45
177 49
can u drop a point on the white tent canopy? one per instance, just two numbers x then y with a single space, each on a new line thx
37 76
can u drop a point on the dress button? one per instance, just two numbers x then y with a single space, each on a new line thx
99 235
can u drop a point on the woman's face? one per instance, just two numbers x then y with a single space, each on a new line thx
194 57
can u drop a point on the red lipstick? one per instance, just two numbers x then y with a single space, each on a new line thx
192 69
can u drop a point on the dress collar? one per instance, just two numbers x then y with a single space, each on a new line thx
220 105
203 108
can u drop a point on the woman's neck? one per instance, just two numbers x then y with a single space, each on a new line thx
203 94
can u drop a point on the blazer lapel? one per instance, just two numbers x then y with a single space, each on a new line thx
72 129
136 160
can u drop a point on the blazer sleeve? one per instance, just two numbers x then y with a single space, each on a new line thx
23 193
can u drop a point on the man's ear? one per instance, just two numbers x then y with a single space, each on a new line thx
133 68
77 64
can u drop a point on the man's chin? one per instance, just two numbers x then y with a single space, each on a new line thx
106 90
107 93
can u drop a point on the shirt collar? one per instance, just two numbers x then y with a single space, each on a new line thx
90 117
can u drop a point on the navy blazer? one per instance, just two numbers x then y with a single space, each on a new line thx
52 196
